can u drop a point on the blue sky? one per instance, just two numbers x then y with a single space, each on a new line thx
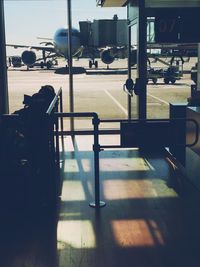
25 20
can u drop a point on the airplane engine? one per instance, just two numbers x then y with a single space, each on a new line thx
28 57
106 56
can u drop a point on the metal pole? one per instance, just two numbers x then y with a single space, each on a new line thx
4 106
61 110
96 149
96 165
71 92
57 140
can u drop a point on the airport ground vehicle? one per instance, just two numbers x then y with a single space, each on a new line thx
16 61
170 74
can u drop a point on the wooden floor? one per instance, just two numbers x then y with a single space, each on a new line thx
145 221
151 217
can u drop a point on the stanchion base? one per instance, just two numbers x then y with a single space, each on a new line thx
101 204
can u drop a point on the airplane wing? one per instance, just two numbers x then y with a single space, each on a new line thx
172 46
39 48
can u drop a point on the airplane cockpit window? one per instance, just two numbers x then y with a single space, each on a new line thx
63 34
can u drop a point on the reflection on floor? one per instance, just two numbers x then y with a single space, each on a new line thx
144 223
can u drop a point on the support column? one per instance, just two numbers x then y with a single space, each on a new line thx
142 60
71 90
198 69
129 71
194 99
4 107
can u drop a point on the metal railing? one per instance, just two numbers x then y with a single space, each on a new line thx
55 106
97 147
54 128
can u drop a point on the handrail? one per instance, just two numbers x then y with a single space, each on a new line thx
53 102
76 114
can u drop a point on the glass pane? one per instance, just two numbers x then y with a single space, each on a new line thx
97 87
169 78
134 37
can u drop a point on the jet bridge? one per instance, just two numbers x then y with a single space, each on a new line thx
104 32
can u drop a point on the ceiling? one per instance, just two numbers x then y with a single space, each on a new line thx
152 3
112 3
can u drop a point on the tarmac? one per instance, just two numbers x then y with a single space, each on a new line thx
99 91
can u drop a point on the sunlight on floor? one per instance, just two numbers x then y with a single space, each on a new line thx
73 191
75 233
86 165
124 164
135 233
71 165
129 189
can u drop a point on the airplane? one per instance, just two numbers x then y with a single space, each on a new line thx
88 41
57 47
51 49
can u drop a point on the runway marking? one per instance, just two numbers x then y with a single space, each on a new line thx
116 102
166 103
154 104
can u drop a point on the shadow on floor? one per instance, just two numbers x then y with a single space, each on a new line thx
64 70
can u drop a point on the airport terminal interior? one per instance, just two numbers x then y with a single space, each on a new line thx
100 141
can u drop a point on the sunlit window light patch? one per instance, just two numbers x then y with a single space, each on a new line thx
68 144
73 191
71 165
86 165
123 164
84 143
134 233
142 188
109 139
77 234
162 189
90 188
